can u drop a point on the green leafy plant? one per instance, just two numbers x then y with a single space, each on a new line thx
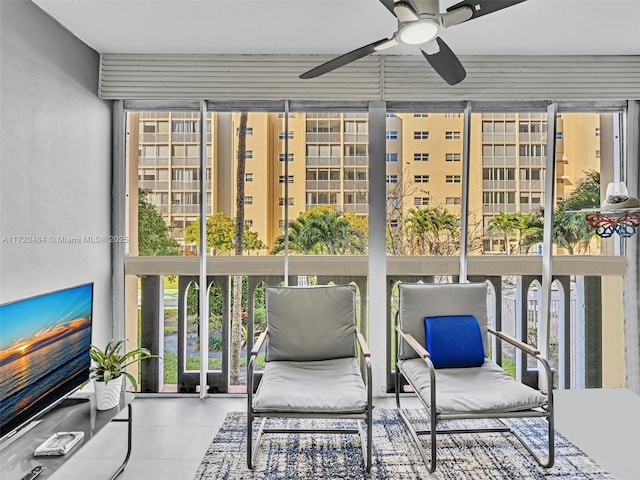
111 363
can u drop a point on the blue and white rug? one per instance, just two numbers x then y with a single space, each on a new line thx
488 456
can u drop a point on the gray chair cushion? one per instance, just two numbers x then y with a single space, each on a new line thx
434 299
327 386
485 389
310 323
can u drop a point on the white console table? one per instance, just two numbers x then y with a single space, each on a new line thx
78 413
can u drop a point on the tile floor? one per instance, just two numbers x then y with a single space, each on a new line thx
171 435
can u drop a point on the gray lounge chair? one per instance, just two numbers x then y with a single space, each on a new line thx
311 364
461 392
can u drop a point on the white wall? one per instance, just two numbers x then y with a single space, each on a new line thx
55 162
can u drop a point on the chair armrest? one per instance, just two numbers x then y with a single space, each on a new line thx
413 343
363 345
258 345
516 343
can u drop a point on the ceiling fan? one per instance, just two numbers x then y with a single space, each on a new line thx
420 23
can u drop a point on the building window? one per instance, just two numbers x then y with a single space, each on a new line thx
248 177
420 115
452 135
392 178
453 201
393 223
421 178
597 153
558 135
453 179
420 157
597 131
249 131
391 157
248 200
390 115
281 135
452 115
392 135
452 157
281 157
419 201
248 154
281 201
248 222
421 135
281 179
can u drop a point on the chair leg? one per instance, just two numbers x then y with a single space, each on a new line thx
429 462
249 440
551 445
369 437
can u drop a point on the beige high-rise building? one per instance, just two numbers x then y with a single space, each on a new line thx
328 165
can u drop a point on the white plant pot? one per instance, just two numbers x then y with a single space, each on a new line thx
108 395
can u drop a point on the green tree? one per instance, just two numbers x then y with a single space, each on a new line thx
511 225
153 233
432 231
323 231
570 228
221 233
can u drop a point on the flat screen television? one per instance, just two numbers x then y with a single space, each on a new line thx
44 353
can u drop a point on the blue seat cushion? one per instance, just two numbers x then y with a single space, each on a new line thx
454 341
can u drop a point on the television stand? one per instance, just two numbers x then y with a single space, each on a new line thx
77 413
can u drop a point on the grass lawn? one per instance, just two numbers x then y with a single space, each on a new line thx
193 363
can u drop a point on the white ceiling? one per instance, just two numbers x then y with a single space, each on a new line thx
535 27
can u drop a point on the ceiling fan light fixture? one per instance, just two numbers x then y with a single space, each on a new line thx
418 32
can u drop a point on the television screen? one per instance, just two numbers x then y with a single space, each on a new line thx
44 352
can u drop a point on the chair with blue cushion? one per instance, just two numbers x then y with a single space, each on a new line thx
441 350
311 364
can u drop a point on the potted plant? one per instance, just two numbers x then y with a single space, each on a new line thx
109 369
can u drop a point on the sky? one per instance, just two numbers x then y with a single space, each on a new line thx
25 318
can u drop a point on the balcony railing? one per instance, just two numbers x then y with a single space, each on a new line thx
154 138
356 137
488 161
153 162
323 184
356 160
186 137
499 207
532 161
499 184
323 137
492 137
579 295
186 161
321 161
153 184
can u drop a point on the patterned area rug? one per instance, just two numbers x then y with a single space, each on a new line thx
489 456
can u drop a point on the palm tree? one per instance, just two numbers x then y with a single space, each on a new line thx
322 230
570 228
236 316
432 231
511 225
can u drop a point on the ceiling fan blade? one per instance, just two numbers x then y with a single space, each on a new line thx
348 58
484 7
389 4
445 62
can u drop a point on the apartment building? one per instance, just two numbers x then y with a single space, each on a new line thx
328 164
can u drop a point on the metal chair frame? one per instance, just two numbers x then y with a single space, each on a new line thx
545 412
252 450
